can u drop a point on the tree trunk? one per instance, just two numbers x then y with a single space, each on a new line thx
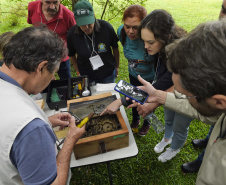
73 4
105 6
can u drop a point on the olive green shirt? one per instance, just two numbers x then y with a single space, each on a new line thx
213 168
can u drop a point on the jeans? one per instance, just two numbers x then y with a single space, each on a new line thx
200 157
176 126
64 70
109 79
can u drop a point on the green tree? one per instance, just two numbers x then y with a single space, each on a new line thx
110 9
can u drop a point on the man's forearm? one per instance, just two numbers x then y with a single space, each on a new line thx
63 161
161 97
184 107
64 156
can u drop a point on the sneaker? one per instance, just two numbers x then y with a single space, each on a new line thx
144 129
135 124
161 145
168 155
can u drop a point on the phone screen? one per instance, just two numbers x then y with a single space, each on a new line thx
131 91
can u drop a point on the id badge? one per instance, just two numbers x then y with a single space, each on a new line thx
96 62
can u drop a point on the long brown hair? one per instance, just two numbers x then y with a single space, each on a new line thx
163 26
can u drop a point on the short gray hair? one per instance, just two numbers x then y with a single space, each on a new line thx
200 59
33 45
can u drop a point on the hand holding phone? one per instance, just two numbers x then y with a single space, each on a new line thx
131 91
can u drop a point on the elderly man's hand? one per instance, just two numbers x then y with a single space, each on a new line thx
60 119
146 109
74 133
143 110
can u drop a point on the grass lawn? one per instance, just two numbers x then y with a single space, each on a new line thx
144 168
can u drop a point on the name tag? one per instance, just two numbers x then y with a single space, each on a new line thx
96 62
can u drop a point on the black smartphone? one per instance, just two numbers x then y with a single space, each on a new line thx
131 91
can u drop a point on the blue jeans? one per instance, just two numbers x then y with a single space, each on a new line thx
176 126
109 79
64 70
200 157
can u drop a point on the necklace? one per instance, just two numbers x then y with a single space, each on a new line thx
55 26
156 71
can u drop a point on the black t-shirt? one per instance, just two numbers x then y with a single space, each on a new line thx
164 77
104 39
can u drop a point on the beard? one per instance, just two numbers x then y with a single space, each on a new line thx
52 11
206 110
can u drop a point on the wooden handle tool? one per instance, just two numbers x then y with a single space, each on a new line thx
85 120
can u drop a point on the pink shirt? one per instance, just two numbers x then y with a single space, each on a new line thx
60 24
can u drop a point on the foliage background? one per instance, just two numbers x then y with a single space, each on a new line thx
144 168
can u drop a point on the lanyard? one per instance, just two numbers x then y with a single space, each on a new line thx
92 41
87 44
156 71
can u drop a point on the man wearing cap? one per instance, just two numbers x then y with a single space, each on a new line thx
90 45
59 19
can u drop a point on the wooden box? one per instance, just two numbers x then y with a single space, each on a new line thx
101 143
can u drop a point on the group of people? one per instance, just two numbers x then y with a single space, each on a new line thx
151 35
90 41
184 72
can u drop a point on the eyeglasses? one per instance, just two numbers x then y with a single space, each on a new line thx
180 95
